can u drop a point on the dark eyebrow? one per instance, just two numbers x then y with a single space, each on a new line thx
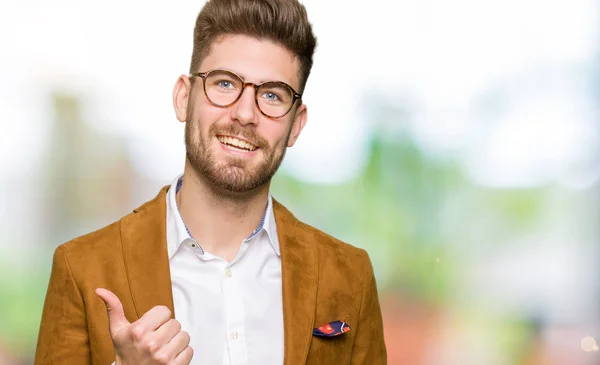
259 82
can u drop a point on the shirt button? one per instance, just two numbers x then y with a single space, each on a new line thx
229 274
235 335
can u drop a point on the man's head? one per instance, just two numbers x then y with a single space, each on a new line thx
238 147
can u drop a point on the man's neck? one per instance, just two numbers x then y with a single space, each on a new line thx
218 220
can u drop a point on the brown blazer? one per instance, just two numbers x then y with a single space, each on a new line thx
323 280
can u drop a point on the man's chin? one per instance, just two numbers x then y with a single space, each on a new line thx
235 179
238 187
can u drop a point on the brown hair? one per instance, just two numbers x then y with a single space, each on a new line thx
282 21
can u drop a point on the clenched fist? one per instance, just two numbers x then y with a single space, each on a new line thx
154 339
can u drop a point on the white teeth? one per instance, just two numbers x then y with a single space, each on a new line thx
237 143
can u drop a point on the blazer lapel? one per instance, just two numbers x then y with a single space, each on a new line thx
299 285
145 254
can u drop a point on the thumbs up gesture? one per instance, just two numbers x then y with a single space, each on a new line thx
154 339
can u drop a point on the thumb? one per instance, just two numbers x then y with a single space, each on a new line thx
116 315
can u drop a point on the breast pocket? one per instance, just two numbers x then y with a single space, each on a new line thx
331 343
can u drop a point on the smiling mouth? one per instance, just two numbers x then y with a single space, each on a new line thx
237 144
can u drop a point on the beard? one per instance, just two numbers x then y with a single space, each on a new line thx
231 173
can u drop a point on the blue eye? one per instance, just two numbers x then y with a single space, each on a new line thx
271 96
225 84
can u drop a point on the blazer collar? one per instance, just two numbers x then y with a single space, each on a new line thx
143 234
144 238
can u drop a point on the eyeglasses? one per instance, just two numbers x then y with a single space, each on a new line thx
223 88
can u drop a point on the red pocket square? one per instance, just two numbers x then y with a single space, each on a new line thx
331 329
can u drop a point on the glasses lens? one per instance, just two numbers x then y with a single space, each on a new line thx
274 98
222 87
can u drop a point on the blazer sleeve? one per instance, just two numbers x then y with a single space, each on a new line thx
63 337
369 343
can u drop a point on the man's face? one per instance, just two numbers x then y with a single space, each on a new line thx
237 148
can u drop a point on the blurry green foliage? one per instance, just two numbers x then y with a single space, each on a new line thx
21 301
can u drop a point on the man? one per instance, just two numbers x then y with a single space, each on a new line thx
214 270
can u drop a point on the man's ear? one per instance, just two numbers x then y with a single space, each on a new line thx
298 124
181 94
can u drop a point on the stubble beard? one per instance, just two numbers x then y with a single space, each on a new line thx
233 174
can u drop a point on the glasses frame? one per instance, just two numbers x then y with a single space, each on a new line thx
203 75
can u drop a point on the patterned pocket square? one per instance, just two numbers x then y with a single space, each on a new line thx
331 329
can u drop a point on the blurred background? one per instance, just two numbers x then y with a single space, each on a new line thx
458 142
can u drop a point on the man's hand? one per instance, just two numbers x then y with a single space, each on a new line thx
152 340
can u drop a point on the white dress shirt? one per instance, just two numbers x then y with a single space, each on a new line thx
232 310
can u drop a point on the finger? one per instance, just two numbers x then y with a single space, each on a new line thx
165 333
153 319
155 340
176 345
116 315
184 357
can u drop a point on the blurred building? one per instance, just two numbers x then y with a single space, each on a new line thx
88 180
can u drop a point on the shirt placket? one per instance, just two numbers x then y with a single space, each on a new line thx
234 316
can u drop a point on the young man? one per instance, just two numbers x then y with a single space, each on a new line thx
213 270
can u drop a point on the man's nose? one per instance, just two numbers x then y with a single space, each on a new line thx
245 109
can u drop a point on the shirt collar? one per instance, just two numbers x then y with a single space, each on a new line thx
177 232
